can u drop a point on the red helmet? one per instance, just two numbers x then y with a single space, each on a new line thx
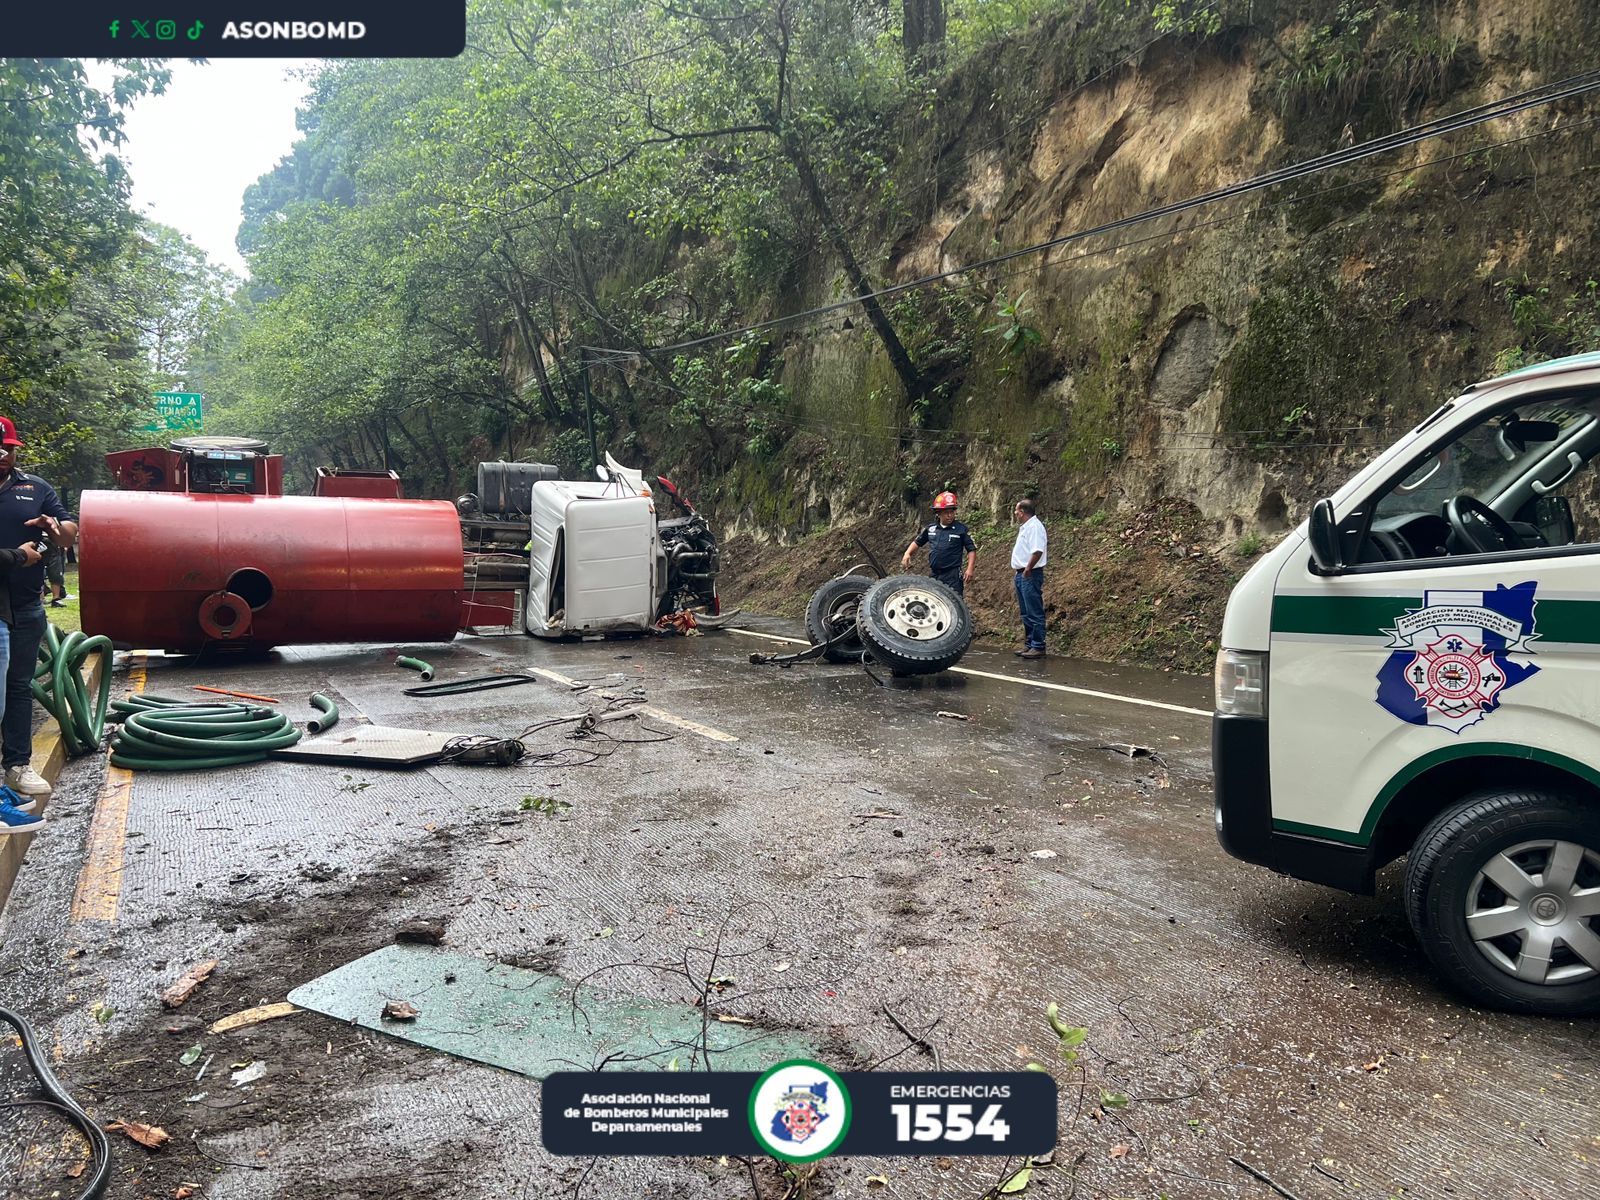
943 501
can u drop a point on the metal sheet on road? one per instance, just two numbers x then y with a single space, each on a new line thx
535 1023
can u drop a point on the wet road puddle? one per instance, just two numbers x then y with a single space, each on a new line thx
534 1023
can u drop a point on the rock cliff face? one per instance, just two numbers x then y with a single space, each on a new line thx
1199 379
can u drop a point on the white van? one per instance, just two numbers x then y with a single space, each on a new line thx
1416 671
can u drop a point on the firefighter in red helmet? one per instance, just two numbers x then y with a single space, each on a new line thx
948 542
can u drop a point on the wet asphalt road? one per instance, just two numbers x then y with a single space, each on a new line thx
1246 1016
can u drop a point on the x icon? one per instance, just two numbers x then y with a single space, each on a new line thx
141 29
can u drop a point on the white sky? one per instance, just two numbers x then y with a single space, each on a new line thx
193 150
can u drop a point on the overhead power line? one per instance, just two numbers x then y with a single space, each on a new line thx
1550 93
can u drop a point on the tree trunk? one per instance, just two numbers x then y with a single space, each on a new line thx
922 33
910 378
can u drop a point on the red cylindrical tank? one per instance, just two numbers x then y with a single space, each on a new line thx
174 571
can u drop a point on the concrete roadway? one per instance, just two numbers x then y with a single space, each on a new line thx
1247 1017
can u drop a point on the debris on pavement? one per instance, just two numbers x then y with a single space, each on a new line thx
1130 751
249 1073
192 1055
1041 854
421 931
682 621
401 1010
152 1137
200 687
253 1016
188 982
952 716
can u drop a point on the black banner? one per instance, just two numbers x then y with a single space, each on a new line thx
799 1111
244 29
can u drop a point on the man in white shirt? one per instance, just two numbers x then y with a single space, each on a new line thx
1028 557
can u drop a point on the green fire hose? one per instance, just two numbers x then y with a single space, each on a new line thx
59 688
327 713
415 664
161 734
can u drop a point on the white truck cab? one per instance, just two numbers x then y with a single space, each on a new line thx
1416 671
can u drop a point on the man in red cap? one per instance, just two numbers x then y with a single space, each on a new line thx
30 512
945 539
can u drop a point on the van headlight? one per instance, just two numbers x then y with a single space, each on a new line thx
1241 682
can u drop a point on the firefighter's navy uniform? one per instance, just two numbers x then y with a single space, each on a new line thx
948 546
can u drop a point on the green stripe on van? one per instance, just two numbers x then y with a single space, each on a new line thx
1427 762
1369 616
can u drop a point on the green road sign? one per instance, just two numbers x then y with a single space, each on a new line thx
175 410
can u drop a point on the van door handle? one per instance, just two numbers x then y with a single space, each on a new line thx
1573 463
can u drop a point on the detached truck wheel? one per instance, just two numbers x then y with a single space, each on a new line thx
832 611
1503 892
913 625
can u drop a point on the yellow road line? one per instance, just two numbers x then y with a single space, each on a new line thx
1036 683
705 731
99 893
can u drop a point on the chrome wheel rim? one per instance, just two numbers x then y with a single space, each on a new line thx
916 612
1532 911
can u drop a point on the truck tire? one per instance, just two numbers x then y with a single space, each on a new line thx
832 606
914 625
1503 892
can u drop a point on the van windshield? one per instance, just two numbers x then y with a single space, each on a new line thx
1490 458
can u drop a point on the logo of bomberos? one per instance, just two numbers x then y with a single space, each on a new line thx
799 1110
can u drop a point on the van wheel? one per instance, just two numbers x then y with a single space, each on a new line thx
833 610
1503 892
914 625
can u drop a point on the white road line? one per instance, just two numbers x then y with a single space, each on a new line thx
705 731
1038 683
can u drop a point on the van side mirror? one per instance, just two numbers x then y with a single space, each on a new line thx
1324 536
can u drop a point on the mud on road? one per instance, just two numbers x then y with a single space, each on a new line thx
846 853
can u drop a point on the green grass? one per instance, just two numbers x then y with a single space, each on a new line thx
67 618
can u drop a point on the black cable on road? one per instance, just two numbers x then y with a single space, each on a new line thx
57 1097
1508 106
478 683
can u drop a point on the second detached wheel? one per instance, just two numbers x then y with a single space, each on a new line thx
914 625
832 611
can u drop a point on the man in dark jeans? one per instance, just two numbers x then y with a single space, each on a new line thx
29 509
1028 557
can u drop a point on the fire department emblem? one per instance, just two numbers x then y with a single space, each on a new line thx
1452 656
799 1110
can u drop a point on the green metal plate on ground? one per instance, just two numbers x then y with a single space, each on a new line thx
525 1021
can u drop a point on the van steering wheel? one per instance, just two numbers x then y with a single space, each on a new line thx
1479 526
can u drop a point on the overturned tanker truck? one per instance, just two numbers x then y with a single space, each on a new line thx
199 547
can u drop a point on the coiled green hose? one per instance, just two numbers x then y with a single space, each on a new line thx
162 734
59 688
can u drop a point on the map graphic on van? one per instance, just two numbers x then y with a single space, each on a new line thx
1451 660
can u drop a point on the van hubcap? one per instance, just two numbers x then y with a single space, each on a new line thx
1532 911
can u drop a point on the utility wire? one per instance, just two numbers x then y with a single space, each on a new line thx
598 353
1006 131
1229 441
1572 86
